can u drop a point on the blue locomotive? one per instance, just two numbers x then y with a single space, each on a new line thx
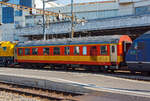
138 56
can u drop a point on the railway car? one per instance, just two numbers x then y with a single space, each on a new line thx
138 56
101 52
7 53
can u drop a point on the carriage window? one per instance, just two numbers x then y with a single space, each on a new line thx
103 50
84 50
113 49
27 51
46 51
56 51
76 50
34 51
20 51
93 51
67 50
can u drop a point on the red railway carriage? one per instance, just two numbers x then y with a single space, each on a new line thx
90 52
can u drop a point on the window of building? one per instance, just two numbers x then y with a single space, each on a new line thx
27 51
18 13
103 50
67 50
46 51
76 50
84 50
56 51
34 51
29 17
142 10
20 51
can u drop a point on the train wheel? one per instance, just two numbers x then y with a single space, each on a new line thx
41 66
145 73
112 71
35 66
52 67
104 69
132 72
64 68
95 69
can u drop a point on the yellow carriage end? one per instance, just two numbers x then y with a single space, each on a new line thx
7 48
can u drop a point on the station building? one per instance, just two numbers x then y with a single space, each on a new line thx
101 17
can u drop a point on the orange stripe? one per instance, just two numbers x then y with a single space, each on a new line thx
65 62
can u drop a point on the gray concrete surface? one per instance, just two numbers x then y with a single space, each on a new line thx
7 96
75 82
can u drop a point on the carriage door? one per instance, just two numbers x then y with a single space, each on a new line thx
93 53
113 53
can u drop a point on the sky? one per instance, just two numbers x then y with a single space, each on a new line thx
76 1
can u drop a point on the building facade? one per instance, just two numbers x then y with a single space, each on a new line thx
99 15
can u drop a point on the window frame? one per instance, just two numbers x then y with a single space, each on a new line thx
56 50
94 51
106 50
46 52
28 51
76 50
113 49
20 54
35 51
67 50
4 48
84 51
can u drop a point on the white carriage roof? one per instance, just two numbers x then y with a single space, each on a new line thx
69 41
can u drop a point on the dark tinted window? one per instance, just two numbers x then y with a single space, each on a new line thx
46 51
27 51
4 48
56 51
93 51
20 51
103 50
34 51
67 50
113 49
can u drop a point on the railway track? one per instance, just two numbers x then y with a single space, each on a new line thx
44 95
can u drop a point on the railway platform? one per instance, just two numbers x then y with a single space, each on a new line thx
76 82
